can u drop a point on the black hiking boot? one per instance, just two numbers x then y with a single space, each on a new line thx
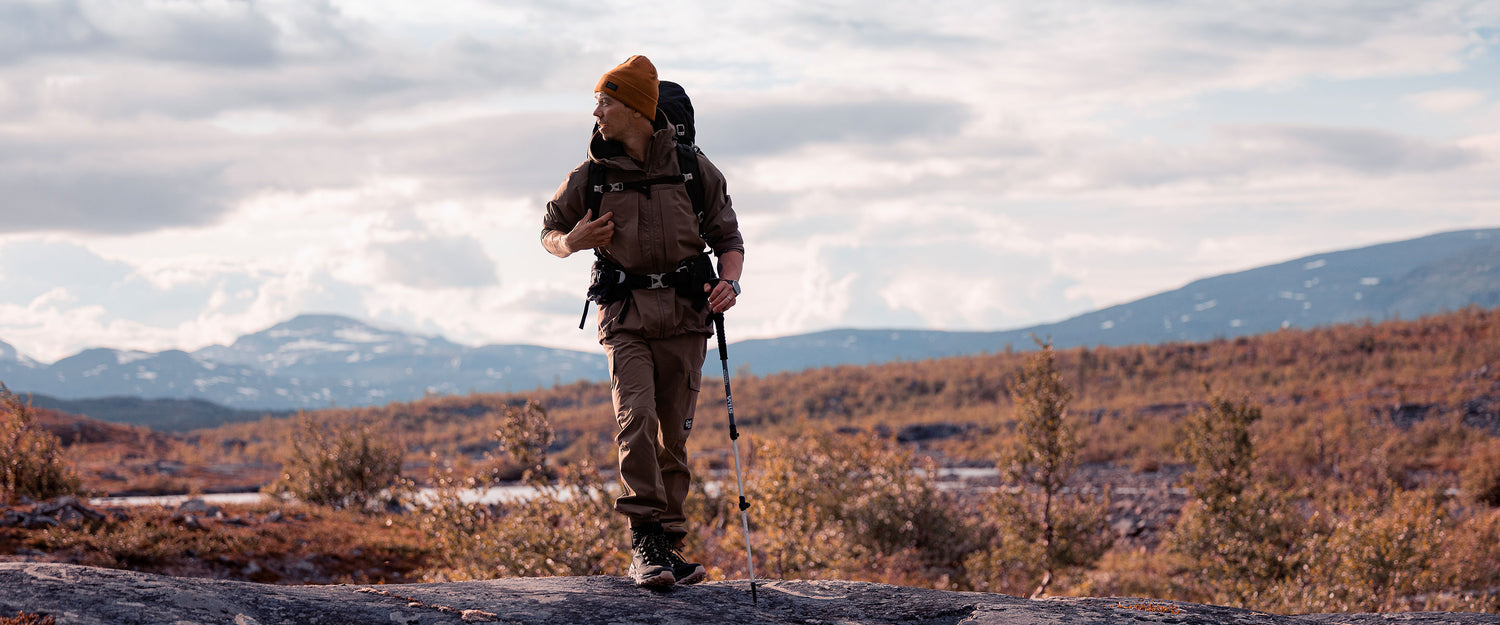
685 572
651 565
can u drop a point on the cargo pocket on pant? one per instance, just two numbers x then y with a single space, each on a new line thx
695 382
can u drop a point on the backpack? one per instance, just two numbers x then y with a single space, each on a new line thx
676 109
609 282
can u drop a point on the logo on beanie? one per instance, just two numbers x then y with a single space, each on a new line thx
611 86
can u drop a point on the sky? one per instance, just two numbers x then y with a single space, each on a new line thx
176 173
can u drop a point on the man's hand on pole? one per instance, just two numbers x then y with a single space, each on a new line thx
721 296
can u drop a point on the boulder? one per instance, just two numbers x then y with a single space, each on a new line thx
92 596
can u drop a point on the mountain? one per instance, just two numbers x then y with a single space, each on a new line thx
310 361
14 365
315 361
1405 279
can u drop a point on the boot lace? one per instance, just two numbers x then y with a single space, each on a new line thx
674 555
654 549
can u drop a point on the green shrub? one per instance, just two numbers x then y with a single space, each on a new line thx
31 462
342 466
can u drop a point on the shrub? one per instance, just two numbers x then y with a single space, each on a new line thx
342 466
846 507
1481 478
1375 554
27 618
1018 555
31 462
569 527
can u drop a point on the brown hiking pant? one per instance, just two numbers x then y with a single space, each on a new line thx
654 383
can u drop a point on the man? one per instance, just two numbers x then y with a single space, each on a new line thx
655 331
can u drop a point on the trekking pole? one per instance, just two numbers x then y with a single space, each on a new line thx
734 437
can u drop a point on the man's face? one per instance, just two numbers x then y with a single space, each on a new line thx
614 117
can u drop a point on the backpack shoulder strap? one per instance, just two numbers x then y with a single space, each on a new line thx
593 195
687 163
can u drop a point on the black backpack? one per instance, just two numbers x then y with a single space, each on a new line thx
676 110
608 281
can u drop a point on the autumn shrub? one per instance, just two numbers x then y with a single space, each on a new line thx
1374 553
27 618
266 542
1481 477
569 527
1019 555
31 459
342 465
844 506
1471 563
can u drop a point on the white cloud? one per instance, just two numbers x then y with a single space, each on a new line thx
236 164
1447 100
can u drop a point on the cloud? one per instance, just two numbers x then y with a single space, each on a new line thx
1366 151
1447 100
29 29
210 33
429 263
770 128
115 202
242 162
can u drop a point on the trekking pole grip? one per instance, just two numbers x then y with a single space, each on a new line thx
719 326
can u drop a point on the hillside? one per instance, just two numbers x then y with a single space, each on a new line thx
1370 432
1400 280
1334 398
316 361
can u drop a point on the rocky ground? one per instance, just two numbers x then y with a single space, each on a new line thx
86 596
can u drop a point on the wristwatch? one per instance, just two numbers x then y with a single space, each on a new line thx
734 284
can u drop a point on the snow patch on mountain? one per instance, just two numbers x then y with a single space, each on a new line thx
127 357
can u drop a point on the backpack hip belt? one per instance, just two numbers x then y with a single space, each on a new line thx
611 283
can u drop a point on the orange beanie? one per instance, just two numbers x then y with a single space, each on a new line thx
633 83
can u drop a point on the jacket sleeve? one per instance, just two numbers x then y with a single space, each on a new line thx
567 205
720 226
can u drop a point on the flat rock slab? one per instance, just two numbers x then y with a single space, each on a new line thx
87 595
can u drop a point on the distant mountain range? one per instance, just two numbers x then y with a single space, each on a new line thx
315 361
1405 279
312 361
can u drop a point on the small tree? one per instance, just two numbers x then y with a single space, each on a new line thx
1049 523
31 462
1241 536
341 466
